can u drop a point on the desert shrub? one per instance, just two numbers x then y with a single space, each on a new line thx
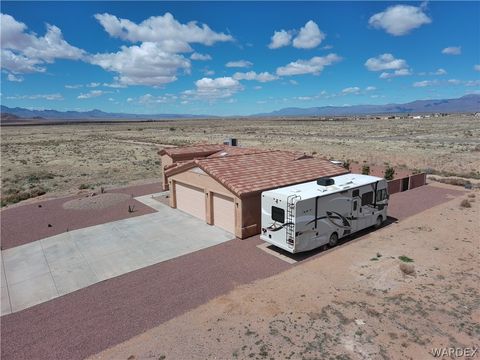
83 186
365 169
389 173
471 195
407 269
131 208
405 259
19 195
465 203
172 129
346 164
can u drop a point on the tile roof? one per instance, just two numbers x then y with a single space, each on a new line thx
251 173
201 150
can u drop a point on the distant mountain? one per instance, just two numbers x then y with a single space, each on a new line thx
467 103
87 115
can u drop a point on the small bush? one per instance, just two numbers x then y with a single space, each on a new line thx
471 195
366 169
405 259
83 186
465 204
407 269
389 173
172 129
346 164
131 208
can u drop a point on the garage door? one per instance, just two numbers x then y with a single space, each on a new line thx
224 212
191 200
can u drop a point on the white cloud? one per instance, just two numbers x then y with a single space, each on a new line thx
24 52
454 81
164 30
385 62
370 88
280 39
37 96
293 82
93 85
200 57
309 37
239 64
476 67
424 83
91 94
252 75
440 72
313 66
211 89
351 90
14 78
452 50
394 74
399 20
75 86
149 99
146 64
472 83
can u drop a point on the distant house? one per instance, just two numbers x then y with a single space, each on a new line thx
222 184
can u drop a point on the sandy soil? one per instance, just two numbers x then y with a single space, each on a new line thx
97 201
352 302
59 159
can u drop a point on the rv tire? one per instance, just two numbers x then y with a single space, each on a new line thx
333 239
379 222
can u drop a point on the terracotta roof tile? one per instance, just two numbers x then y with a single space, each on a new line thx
256 172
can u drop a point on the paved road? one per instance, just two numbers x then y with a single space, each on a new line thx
45 269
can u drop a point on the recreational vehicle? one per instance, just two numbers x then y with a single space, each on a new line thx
306 216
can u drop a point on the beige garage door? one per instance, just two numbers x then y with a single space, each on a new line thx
191 200
224 212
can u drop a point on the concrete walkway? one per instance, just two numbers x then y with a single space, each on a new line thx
45 269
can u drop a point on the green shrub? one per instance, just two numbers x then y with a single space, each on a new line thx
366 169
405 259
389 173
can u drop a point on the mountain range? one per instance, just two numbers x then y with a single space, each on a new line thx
467 103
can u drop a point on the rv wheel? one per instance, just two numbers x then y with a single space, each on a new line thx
333 239
379 222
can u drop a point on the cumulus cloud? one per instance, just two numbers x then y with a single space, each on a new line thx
399 20
313 66
91 94
14 78
212 89
476 67
308 37
25 52
280 39
200 57
394 74
440 72
385 62
238 64
351 90
452 50
37 97
252 75
370 88
424 83
164 30
149 99
146 64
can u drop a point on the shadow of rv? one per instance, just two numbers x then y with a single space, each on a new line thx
307 255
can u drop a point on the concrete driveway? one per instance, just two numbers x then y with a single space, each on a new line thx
45 269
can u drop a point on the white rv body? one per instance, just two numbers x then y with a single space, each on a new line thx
303 217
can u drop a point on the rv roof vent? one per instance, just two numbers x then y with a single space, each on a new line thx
325 181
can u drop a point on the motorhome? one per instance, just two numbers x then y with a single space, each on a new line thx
305 216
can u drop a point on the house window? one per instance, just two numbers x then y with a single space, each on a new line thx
367 198
278 214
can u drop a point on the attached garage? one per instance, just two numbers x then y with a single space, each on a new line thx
224 212
225 189
191 199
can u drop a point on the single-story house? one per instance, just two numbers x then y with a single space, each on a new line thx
224 187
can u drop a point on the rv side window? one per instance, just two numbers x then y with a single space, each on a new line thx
356 193
367 198
278 214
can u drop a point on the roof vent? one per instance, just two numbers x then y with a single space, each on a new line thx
230 141
325 181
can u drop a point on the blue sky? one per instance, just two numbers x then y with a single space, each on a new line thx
227 58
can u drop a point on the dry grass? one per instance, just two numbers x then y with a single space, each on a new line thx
60 158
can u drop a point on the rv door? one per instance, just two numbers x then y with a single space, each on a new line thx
355 214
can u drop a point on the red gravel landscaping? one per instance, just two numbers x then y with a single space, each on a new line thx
92 319
26 223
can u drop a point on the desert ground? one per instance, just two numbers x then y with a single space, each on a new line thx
61 159
395 294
